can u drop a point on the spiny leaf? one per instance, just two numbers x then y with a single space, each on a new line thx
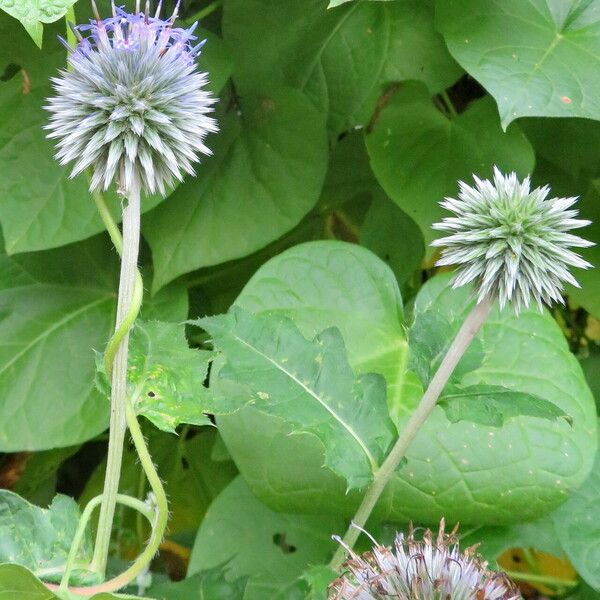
165 376
40 538
494 404
308 383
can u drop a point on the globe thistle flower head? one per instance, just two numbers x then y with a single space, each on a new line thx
431 568
132 106
513 242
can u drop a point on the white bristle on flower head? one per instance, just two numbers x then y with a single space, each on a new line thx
512 242
431 568
132 107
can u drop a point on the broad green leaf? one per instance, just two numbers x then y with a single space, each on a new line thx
536 58
418 153
577 523
466 472
57 308
40 539
349 177
309 384
170 303
391 234
18 583
165 376
215 60
320 284
265 175
205 585
270 548
493 405
304 45
41 207
34 13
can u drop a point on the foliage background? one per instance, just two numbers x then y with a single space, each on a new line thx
346 124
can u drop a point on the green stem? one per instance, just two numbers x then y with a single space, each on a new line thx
207 10
128 306
138 505
159 516
382 476
544 579
448 103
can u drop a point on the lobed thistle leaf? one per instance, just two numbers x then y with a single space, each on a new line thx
511 241
132 107
432 568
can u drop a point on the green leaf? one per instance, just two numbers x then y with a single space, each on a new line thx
391 234
323 284
418 153
314 49
215 59
493 405
466 472
270 548
41 206
536 58
307 383
57 308
265 175
40 539
577 523
205 585
165 376
33 13
17 582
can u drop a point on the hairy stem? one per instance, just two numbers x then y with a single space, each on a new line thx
160 515
116 360
382 476
141 507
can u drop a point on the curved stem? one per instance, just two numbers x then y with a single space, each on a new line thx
159 520
382 476
141 507
128 305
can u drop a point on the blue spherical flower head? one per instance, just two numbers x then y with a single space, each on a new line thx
133 106
512 242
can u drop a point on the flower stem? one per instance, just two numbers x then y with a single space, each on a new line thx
128 305
382 476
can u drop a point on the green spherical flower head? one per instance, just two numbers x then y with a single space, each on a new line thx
132 106
512 242
431 568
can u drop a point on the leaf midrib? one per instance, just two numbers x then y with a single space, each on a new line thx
311 393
